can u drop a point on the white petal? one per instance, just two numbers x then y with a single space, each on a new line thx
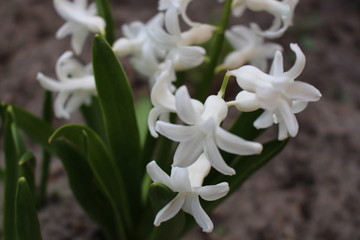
303 92
299 64
175 132
180 179
170 210
246 101
158 175
283 132
78 40
235 144
289 118
265 120
153 116
75 101
198 171
65 30
59 105
184 107
277 64
213 155
188 152
213 192
172 22
298 106
200 215
197 35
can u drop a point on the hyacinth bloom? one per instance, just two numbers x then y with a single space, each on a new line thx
188 183
76 85
137 43
80 21
163 98
277 93
176 7
249 47
203 133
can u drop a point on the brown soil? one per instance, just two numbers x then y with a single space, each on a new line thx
310 191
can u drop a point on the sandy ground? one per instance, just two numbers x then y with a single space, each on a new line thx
310 191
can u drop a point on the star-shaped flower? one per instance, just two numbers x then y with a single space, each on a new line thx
76 85
249 47
277 93
188 183
203 133
80 21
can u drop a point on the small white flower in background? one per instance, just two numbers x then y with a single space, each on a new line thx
137 43
203 133
182 57
283 12
176 7
188 183
163 98
249 47
76 85
80 21
277 93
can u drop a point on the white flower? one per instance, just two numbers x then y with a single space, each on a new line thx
203 133
80 21
163 98
176 7
277 93
283 12
188 183
76 85
145 56
183 57
249 47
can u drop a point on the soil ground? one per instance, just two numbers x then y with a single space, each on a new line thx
310 191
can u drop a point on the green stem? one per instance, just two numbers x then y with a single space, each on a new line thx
205 84
46 156
225 82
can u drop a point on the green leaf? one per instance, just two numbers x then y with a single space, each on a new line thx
103 167
119 116
27 223
11 176
104 10
27 168
143 106
92 116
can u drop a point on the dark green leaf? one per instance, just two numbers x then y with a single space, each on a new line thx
93 117
104 10
120 121
27 223
143 106
27 169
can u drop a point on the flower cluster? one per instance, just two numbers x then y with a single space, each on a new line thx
158 49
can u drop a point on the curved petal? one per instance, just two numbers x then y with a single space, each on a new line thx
170 210
213 192
158 175
75 101
299 64
298 106
265 120
188 152
198 171
283 132
213 155
184 107
200 215
302 91
153 116
180 179
78 40
59 105
288 117
172 22
64 30
277 67
175 132
235 144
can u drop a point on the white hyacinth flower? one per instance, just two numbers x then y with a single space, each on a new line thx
283 12
203 133
76 85
249 47
277 93
136 42
163 98
176 7
80 21
188 183
182 56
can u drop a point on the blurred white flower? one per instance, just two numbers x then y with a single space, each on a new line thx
203 133
277 93
249 47
188 183
80 21
76 85
176 7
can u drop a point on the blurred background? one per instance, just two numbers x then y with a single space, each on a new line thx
310 191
